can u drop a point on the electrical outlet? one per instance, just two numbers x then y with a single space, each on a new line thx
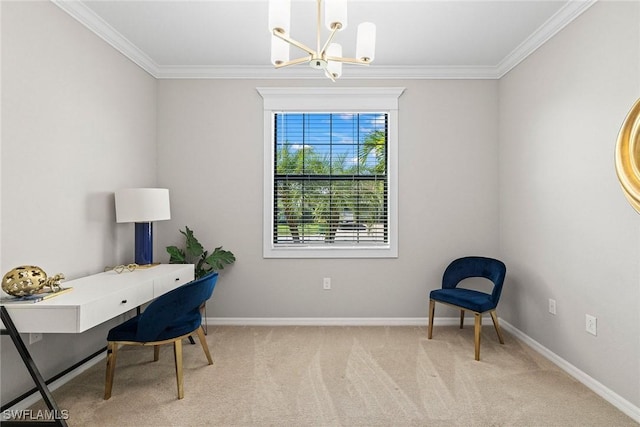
591 324
35 337
552 306
326 283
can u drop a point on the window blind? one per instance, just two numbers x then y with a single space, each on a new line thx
330 179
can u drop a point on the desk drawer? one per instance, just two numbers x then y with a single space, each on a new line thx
171 281
113 305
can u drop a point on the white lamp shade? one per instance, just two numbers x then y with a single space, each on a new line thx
366 43
335 11
279 50
334 67
142 205
280 15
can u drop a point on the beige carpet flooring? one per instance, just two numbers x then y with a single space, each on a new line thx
338 376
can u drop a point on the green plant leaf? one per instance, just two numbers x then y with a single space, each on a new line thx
219 258
194 248
195 254
176 255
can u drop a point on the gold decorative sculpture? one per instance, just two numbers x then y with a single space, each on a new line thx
29 280
628 156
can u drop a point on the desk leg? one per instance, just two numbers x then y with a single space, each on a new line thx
31 367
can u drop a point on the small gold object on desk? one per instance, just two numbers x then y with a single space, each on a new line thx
120 268
29 280
129 267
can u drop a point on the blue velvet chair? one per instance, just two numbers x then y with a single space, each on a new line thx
168 319
468 299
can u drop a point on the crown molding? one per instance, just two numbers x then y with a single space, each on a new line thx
550 28
87 17
377 72
83 14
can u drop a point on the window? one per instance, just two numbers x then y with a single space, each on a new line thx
330 180
330 172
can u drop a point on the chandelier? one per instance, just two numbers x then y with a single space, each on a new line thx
327 57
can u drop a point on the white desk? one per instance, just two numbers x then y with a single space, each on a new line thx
98 298
93 300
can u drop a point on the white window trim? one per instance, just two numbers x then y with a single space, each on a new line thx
320 99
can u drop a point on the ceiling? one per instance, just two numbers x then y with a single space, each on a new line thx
415 39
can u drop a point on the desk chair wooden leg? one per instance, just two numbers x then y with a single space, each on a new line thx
177 354
478 328
112 352
203 313
461 318
432 308
156 353
205 346
494 317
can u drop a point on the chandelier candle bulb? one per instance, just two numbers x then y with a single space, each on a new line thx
335 14
279 51
333 67
366 42
280 15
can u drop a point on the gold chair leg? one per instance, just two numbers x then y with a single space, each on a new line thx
478 328
156 353
205 346
461 318
496 325
177 355
112 352
432 309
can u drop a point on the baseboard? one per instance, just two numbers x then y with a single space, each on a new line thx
317 321
600 389
597 387
337 321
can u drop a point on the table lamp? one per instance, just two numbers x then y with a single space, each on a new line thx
143 206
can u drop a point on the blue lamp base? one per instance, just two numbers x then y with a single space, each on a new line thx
144 243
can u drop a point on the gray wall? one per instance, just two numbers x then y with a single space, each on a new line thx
210 155
567 232
78 122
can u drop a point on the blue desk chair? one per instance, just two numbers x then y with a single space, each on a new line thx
467 299
168 319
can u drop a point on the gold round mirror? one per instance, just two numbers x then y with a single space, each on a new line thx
628 156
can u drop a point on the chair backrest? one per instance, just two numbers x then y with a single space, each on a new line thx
475 266
177 307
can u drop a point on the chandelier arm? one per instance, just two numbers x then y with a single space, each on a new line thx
294 62
293 42
347 60
328 74
319 8
333 33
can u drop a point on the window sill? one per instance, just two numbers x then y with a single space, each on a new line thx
325 252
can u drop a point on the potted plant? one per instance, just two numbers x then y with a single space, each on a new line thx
194 253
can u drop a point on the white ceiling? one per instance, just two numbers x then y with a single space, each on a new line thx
415 39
